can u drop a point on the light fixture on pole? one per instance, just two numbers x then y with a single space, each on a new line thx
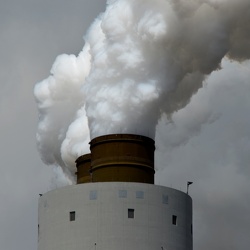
189 183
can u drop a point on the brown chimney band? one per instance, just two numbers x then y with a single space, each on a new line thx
122 157
83 165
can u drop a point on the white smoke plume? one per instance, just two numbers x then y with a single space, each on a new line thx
142 60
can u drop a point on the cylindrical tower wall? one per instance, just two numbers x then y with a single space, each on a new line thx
115 215
122 157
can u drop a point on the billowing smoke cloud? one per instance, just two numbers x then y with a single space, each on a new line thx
63 131
142 60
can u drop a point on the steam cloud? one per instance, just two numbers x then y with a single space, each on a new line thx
142 60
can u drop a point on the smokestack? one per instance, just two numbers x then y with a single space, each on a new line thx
83 165
121 202
118 158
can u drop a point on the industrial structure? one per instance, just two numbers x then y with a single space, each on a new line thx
115 204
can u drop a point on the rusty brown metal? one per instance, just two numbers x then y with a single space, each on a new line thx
122 158
83 165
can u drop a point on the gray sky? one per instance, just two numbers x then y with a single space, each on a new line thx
32 34
215 155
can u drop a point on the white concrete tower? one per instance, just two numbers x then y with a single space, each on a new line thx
115 205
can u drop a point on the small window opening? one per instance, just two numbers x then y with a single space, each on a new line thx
174 220
164 199
72 216
131 213
122 193
139 194
93 195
